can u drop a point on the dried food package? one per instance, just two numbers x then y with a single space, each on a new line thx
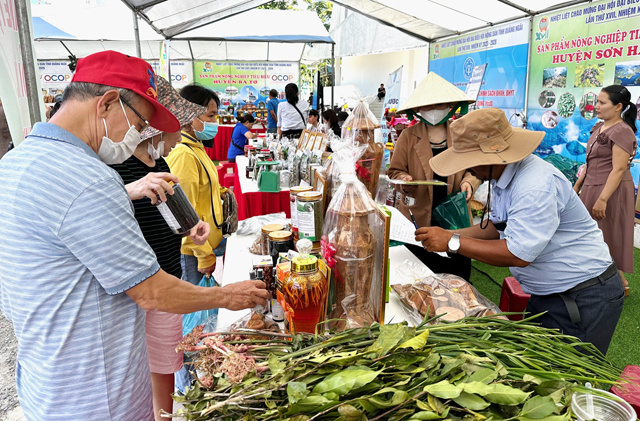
448 296
363 128
349 246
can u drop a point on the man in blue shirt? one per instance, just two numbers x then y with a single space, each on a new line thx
537 226
75 270
272 112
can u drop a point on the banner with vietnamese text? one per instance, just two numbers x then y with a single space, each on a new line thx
574 54
505 50
246 85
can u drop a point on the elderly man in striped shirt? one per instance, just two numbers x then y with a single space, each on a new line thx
75 270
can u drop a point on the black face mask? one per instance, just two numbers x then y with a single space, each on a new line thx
207 143
487 207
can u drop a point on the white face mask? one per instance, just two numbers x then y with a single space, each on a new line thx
156 153
112 153
434 116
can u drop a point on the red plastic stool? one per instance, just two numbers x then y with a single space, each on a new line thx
630 392
227 180
513 298
228 167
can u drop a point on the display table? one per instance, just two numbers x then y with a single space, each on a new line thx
252 202
223 140
238 263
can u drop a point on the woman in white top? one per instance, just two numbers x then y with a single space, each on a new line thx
292 114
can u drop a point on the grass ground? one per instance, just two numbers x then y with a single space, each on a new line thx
625 345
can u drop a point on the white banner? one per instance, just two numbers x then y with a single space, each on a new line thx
181 72
54 76
13 87
392 96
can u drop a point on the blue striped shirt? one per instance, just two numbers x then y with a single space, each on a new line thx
70 249
547 226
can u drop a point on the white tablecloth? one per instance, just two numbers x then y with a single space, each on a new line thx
238 263
247 185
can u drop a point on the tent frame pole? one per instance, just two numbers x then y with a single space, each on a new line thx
333 73
28 62
136 34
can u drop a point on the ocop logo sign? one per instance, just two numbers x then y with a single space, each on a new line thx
179 78
283 78
53 78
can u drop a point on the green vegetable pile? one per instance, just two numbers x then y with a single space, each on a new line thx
473 369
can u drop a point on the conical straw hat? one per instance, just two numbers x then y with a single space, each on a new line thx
434 90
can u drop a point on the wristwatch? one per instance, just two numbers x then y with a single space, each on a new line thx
454 243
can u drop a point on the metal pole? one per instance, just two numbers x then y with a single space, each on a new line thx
28 62
168 61
333 74
526 82
136 33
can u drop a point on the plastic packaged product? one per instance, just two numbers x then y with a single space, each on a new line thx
361 128
305 291
442 294
310 216
349 247
293 192
279 242
178 212
331 170
266 230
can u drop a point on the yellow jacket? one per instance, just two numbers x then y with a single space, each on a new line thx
186 164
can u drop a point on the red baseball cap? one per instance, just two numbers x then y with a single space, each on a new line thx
121 71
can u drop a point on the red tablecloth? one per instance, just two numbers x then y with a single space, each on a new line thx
259 203
223 140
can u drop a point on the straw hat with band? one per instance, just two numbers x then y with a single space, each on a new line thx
185 111
435 90
484 137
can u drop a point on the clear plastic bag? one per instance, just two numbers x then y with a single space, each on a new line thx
349 246
482 193
442 294
411 271
363 128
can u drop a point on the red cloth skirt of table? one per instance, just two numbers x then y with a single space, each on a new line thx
223 140
259 203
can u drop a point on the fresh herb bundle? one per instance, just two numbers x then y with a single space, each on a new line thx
474 369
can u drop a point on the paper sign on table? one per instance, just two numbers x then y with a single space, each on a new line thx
403 230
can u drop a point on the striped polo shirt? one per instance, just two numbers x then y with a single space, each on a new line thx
71 247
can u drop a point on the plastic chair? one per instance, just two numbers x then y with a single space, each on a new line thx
513 298
227 180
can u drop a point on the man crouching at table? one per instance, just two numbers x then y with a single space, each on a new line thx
75 271
537 226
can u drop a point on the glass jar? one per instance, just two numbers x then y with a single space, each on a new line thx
266 230
310 216
279 242
293 192
305 291
248 149
177 211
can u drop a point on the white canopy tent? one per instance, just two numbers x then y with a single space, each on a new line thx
245 37
430 20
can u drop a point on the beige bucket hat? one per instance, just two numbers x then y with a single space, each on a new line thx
434 90
484 137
